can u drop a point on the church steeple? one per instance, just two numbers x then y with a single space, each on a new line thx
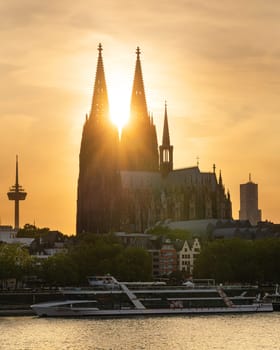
139 147
98 183
100 104
165 135
220 179
166 150
138 106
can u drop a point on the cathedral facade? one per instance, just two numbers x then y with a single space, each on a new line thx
129 183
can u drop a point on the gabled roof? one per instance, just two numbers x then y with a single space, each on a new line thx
191 176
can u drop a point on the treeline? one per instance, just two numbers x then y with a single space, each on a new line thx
238 260
31 231
90 255
233 261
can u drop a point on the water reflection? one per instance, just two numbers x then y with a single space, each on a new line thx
199 332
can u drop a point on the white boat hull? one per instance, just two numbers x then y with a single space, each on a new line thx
94 312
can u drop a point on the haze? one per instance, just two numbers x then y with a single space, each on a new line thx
216 63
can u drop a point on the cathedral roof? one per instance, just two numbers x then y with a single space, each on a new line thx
191 176
196 227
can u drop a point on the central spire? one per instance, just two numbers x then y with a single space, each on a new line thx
138 107
166 150
100 104
165 135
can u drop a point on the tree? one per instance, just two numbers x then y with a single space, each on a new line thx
134 264
31 231
15 261
59 269
240 260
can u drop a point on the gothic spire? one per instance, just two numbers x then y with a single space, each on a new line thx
165 150
100 104
138 107
165 135
220 178
228 194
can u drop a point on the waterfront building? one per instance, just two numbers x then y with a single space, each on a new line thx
249 202
166 256
130 184
8 235
167 259
187 255
48 244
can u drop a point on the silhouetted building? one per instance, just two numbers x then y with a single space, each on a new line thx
165 150
249 202
98 183
138 146
124 184
16 194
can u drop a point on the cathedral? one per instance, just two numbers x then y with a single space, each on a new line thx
129 183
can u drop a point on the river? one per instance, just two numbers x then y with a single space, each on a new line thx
230 332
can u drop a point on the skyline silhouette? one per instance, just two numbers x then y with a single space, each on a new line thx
215 63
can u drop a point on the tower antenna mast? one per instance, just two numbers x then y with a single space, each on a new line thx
16 194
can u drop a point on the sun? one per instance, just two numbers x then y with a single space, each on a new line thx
119 101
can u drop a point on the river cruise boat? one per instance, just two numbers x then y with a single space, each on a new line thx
274 298
124 299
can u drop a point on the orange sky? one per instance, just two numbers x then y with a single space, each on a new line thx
217 63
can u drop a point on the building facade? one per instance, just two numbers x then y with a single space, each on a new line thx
167 259
187 256
129 183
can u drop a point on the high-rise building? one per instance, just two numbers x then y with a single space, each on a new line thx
249 202
129 184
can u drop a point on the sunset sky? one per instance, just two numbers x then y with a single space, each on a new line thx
217 63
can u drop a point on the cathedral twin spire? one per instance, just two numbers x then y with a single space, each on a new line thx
100 103
138 107
138 144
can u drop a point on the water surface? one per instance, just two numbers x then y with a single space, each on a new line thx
231 332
